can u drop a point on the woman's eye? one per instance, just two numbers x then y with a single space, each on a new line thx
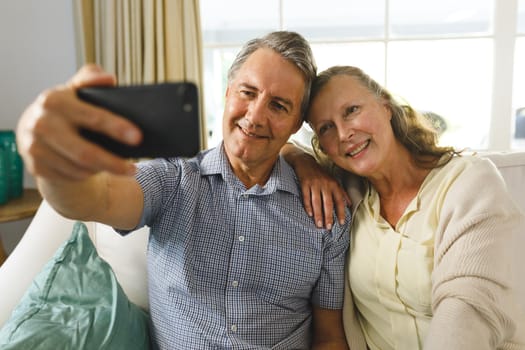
324 128
351 110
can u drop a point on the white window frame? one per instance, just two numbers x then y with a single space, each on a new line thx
504 37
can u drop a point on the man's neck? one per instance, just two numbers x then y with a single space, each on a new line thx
251 174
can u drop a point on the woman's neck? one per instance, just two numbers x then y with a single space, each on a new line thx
398 184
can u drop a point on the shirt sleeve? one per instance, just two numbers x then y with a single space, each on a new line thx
158 179
475 278
330 287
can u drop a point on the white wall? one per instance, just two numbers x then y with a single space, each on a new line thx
37 50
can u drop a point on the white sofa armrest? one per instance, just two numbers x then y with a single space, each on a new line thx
127 257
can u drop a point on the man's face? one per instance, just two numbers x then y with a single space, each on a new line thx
262 109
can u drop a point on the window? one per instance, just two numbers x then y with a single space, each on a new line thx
335 20
443 18
518 105
443 56
521 17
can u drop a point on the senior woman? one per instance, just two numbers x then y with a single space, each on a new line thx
430 262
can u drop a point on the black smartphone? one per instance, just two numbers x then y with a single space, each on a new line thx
167 114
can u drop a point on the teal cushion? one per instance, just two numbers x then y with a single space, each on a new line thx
76 302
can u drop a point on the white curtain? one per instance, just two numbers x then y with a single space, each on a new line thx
143 41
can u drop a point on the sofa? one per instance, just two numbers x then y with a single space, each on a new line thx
127 255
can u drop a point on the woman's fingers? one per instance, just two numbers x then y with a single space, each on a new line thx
321 196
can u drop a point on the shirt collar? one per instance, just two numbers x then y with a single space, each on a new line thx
282 177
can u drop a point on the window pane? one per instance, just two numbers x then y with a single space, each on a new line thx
236 21
335 19
519 95
444 17
451 78
368 56
217 63
521 16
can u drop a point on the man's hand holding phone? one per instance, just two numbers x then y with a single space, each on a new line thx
167 114
51 132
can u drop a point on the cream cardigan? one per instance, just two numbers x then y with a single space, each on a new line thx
478 299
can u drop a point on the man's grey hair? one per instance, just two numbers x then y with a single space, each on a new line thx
292 47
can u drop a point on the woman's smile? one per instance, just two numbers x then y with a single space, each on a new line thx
356 150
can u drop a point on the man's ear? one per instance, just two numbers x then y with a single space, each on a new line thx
227 91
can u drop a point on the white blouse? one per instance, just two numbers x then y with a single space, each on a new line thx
390 271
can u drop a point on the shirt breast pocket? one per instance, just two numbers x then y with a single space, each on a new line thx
415 266
289 275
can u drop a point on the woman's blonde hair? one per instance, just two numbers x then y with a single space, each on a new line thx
410 127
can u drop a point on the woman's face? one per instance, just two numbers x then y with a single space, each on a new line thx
353 126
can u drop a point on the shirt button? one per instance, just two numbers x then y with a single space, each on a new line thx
235 283
241 238
233 328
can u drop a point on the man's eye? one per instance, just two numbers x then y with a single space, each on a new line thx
247 93
279 106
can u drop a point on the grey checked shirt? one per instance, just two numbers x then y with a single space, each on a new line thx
230 267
